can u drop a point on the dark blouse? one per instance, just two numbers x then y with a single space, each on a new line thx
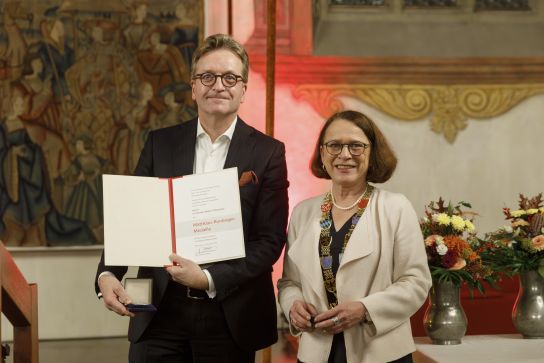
337 243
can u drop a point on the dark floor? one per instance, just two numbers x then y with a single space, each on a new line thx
114 350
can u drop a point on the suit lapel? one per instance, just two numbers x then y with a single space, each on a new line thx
361 243
305 250
183 155
241 146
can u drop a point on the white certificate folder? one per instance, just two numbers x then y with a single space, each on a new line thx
197 216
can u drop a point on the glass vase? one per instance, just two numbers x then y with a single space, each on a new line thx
445 321
528 311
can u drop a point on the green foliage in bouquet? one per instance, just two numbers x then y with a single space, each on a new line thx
519 246
452 246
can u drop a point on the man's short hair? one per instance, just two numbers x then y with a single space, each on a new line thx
222 41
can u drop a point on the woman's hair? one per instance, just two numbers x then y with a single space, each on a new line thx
382 160
222 41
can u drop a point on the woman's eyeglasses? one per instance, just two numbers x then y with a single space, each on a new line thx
354 148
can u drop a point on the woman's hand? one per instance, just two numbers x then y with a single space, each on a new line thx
301 315
341 317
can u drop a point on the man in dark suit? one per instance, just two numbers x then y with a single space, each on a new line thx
226 311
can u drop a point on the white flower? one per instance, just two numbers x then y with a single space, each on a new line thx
508 229
442 249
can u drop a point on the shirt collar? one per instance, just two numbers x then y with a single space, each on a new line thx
228 132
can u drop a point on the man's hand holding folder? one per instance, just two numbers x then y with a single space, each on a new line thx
187 273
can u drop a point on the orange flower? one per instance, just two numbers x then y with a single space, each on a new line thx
519 222
473 256
456 244
459 264
432 240
537 243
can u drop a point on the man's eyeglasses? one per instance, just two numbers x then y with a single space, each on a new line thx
354 148
209 79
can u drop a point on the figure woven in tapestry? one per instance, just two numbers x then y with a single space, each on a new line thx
81 85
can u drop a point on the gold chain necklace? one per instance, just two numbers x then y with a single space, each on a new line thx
325 239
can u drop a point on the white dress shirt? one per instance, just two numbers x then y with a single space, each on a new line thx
211 157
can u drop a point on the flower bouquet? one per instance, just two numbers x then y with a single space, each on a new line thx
519 246
452 253
452 246
518 249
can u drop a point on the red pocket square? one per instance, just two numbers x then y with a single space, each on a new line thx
248 177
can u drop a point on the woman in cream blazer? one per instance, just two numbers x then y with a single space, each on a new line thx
383 277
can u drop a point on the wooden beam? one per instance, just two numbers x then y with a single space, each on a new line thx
270 88
16 296
309 70
270 65
25 338
229 17
19 303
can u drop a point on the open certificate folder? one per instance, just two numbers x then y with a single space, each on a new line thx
197 216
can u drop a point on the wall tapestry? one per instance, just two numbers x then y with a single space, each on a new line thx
81 85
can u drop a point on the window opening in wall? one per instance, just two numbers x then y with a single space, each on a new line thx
431 3
359 2
509 5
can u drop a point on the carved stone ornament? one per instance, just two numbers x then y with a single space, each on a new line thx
450 106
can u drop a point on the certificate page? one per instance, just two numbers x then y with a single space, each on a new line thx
208 217
136 221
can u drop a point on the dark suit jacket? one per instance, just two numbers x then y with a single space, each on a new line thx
244 286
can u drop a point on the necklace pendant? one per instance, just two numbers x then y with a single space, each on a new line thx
326 262
355 219
363 203
325 223
326 207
